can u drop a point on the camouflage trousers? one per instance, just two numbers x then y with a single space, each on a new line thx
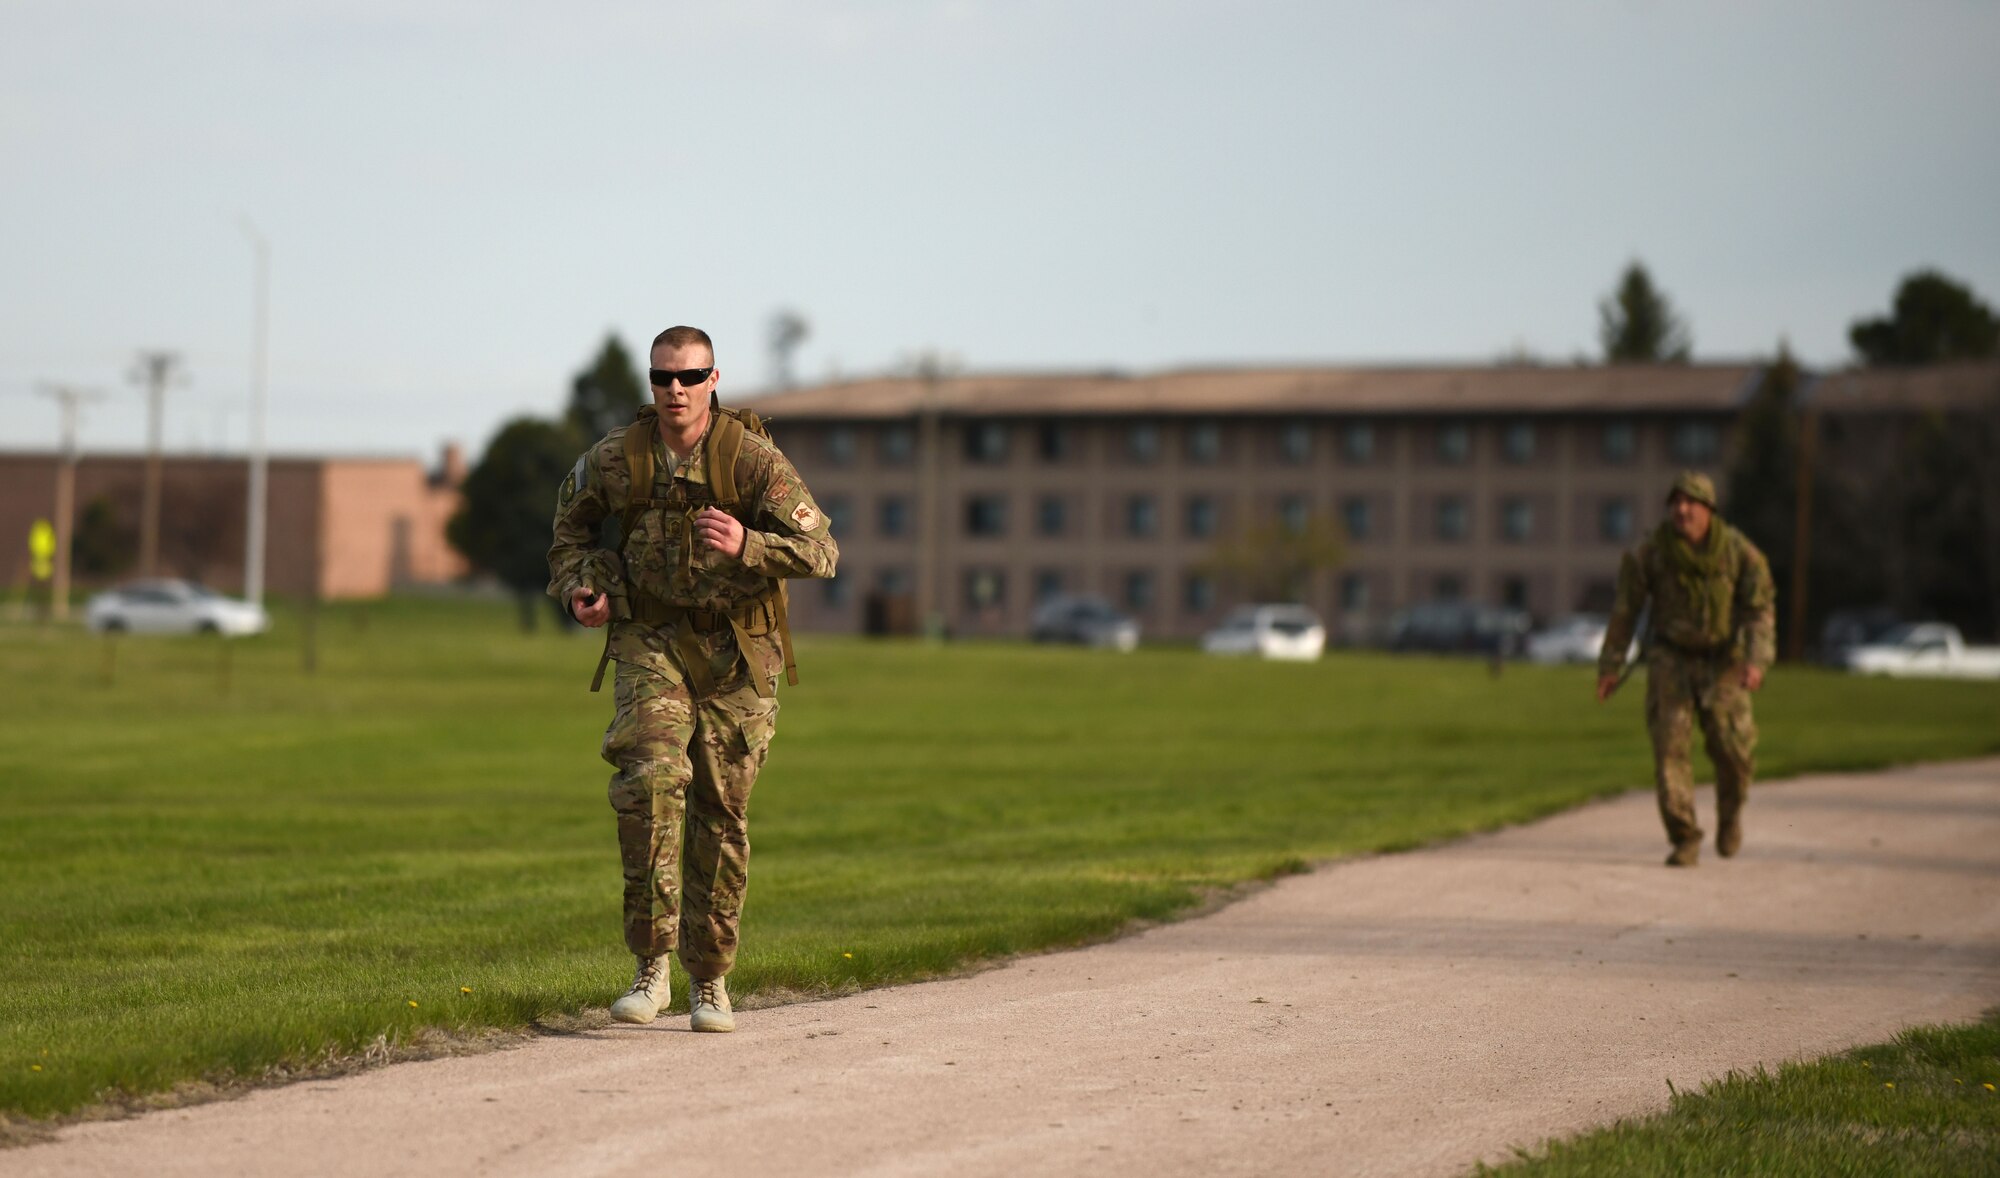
682 796
1682 689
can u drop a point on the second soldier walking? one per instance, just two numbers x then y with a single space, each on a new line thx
1712 637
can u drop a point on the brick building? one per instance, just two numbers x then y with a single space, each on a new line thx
1518 485
341 527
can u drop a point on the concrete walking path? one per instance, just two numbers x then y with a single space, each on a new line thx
1402 1014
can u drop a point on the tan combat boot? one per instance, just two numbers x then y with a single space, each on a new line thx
650 990
1729 836
1686 854
708 1006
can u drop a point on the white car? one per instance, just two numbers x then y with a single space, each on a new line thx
1269 631
173 607
1925 650
1575 639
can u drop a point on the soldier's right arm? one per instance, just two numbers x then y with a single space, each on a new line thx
1625 609
582 503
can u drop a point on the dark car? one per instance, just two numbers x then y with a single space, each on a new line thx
1086 621
1847 629
1457 627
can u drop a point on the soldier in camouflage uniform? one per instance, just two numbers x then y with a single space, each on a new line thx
693 602
1712 637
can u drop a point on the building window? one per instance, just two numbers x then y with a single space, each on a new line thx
1514 592
1454 443
1055 441
840 445
1139 590
1517 520
1048 584
1292 514
986 515
1198 593
1451 518
1204 442
985 588
1357 442
1353 592
892 515
1201 517
833 592
893 580
1295 441
1614 520
1142 441
986 441
839 514
1695 442
1142 516
1358 516
1518 442
1620 441
1447 587
1051 516
898 442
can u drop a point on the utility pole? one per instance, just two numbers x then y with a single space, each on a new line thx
254 528
1795 646
67 399
155 370
930 506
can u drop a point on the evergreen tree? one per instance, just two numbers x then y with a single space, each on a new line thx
1638 325
1933 320
1851 534
606 394
509 499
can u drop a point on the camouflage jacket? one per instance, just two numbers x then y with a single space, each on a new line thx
1748 634
784 535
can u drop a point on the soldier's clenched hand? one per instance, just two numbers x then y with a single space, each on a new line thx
720 530
593 615
1753 676
1606 684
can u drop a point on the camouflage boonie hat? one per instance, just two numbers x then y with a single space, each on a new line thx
1696 486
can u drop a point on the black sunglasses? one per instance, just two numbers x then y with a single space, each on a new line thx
689 377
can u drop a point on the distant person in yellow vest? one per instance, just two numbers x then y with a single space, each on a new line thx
1712 637
712 519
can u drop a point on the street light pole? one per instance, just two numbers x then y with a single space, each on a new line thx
253 539
155 370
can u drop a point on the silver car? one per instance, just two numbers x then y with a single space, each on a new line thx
1087 621
173 607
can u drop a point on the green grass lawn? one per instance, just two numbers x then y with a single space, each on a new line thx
1922 1105
203 883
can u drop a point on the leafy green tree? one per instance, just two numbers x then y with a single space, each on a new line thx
606 394
1933 319
502 527
1273 562
1637 324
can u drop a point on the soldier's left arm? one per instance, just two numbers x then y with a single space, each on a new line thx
785 533
1756 609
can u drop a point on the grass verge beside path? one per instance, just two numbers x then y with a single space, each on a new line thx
1924 1104
215 864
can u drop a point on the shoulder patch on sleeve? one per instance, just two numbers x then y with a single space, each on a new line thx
781 490
805 517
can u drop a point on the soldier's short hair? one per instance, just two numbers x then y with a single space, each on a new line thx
681 337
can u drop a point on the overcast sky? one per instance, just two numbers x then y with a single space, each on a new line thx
463 198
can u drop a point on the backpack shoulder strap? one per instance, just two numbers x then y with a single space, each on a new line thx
725 442
639 457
